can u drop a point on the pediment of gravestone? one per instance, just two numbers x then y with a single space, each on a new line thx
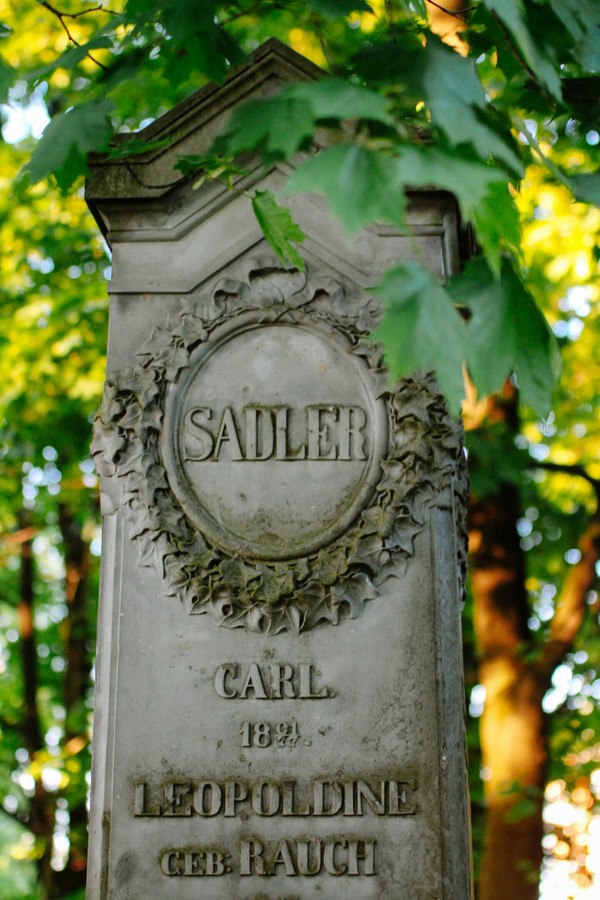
143 202
191 127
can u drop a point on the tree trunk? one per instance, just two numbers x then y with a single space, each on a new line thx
42 807
513 736
77 628
514 739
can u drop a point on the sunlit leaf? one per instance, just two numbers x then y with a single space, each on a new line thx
361 186
279 228
586 187
513 16
421 329
336 99
63 149
504 317
335 8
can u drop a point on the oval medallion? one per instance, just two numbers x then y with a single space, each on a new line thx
276 439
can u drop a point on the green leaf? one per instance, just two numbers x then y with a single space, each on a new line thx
63 149
199 43
333 9
7 76
387 64
482 192
421 329
72 57
278 228
458 105
513 15
496 220
333 98
133 146
583 97
469 180
586 188
506 333
278 126
361 185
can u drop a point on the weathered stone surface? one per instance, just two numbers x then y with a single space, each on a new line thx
279 699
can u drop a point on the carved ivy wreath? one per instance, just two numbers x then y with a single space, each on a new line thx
425 456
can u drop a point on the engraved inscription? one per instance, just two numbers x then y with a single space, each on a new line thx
263 734
275 681
265 798
335 855
309 856
260 433
195 862
293 399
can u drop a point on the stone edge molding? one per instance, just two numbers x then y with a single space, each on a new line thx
425 455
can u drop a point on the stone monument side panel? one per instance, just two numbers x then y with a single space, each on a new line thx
373 713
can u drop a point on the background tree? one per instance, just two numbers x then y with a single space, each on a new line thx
501 107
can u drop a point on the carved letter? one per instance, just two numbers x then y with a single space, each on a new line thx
178 800
192 863
282 856
253 681
364 792
197 442
319 432
307 689
282 447
215 795
259 441
281 681
289 801
171 863
352 443
303 848
328 805
228 432
363 851
215 862
235 792
399 799
329 858
140 801
251 858
220 677
273 798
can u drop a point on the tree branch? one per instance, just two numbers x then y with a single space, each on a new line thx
570 608
61 16
574 469
511 46
571 605
460 14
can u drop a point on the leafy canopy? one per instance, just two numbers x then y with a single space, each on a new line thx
464 107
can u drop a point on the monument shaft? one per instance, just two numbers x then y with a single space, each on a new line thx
279 705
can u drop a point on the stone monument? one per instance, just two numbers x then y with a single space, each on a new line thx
279 706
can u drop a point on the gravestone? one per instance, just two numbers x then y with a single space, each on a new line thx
279 707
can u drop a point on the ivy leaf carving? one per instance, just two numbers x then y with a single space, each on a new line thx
355 592
403 535
370 552
237 573
330 566
286 619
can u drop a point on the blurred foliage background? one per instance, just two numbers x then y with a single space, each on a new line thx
532 635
